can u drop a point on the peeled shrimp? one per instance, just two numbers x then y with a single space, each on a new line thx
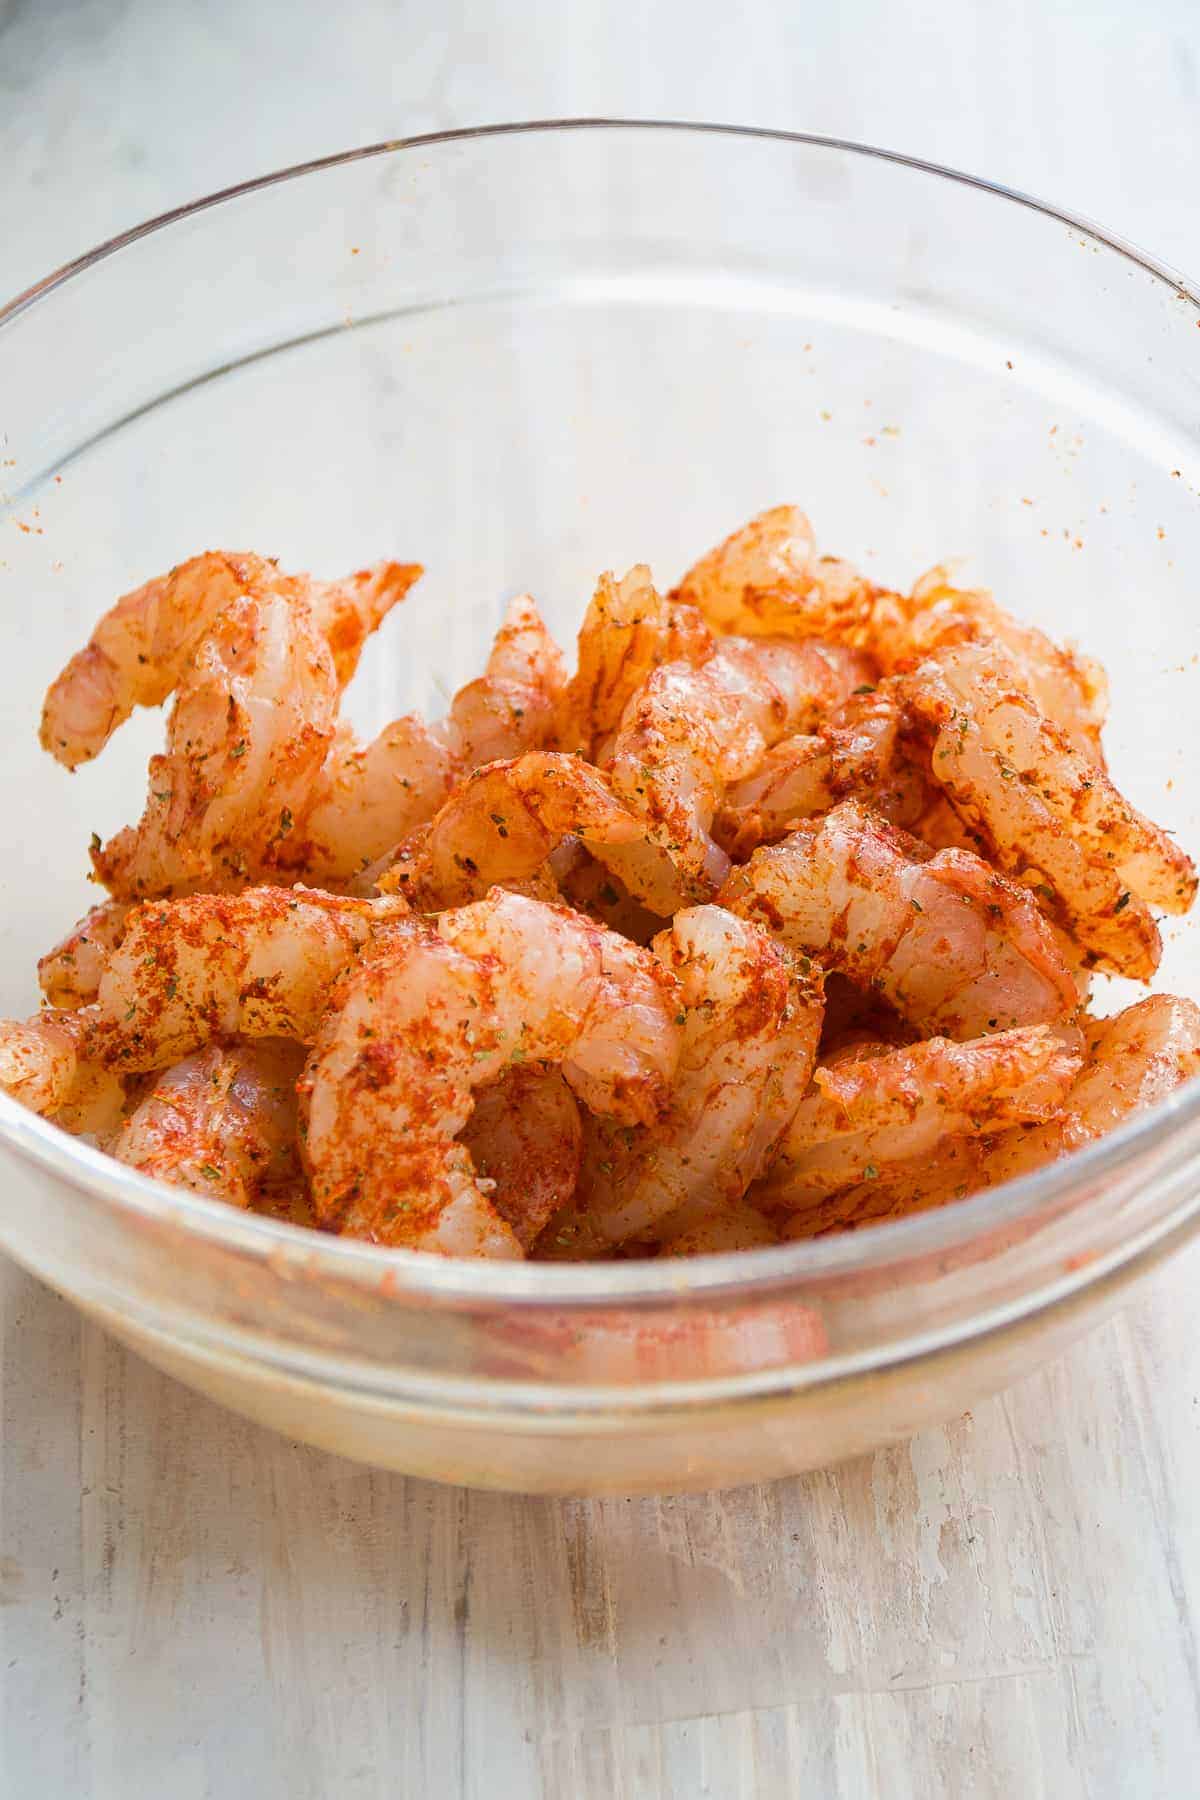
69 975
1070 689
750 1029
954 947
222 1122
513 705
349 611
688 732
857 754
501 823
1134 1060
432 1015
955 1168
767 579
369 798
525 1137
627 631
712 1228
254 714
256 964
880 1107
137 654
1012 775
46 1064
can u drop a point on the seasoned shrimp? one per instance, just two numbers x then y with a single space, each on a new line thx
256 964
953 946
1070 689
857 754
627 631
46 1063
137 654
879 1108
69 975
1042 809
369 798
767 580
688 732
513 706
253 718
222 1122
711 1228
502 823
750 1029
525 1137
429 1017
951 1171
1132 1061
349 611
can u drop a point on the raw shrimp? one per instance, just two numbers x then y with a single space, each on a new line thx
137 654
514 704
878 1107
750 1029
69 975
254 715
767 580
432 1015
707 1228
1041 808
1067 687
349 611
369 798
503 822
627 631
525 1137
688 732
954 1169
957 949
857 754
222 1122
256 964
46 1064
586 884
1134 1060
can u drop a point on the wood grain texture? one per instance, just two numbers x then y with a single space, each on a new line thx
192 1607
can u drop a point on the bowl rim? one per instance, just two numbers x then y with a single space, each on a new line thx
407 1274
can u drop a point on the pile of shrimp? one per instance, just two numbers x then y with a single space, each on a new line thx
777 917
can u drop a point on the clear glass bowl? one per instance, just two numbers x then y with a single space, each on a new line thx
522 355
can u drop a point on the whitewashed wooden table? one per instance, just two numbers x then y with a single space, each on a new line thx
192 1607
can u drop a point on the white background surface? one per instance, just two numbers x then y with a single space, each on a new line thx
191 1607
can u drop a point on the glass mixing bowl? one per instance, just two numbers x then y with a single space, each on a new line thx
523 355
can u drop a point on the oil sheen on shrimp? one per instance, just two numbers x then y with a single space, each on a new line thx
137 653
627 631
432 1015
688 732
69 975
751 1023
47 1064
502 823
369 798
525 1137
254 715
857 754
222 1122
767 580
956 948
256 964
1047 812
880 1106
1133 1060
1069 688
